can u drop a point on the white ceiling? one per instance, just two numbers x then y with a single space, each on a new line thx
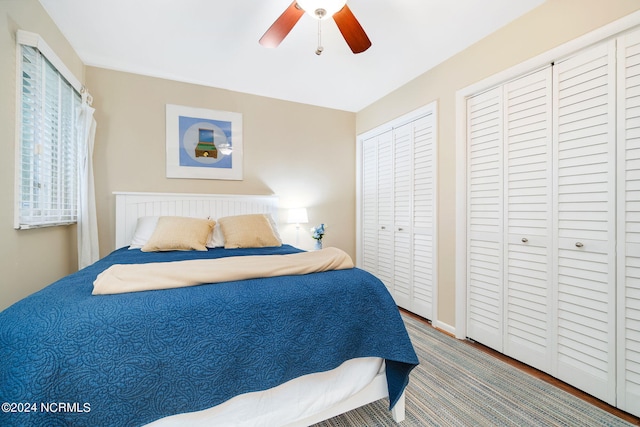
215 43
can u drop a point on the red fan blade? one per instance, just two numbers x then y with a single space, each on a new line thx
281 27
351 30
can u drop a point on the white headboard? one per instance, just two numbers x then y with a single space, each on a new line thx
131 206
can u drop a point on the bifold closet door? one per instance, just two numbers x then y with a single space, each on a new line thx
370 205
423 216
528 197
413 216
385 210
377 207
509 224
398 210
553 231
485 252
628 283
584 220
402 202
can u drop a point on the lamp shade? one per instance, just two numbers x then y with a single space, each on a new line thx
298 216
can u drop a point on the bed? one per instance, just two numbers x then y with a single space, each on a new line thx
280 350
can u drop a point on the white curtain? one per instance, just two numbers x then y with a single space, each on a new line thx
88 249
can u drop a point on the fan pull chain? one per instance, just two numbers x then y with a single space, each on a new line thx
320 48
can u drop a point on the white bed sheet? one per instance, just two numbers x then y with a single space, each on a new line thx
294 400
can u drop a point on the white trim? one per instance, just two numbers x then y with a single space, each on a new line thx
359 193
610 30
18 139
34 40
620 206
444 327
435 227
461 217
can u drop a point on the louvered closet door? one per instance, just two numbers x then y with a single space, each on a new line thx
385 210
402 199
423 216
370 205
398 203
628 283
528 197
485 218
584 160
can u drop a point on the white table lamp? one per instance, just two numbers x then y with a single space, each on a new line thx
298 216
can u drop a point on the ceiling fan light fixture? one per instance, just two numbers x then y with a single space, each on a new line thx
321 9
349 27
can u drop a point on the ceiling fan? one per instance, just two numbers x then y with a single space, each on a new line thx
321 10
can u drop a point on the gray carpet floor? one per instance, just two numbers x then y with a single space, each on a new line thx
459 385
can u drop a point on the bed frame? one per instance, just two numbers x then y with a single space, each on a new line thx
131 206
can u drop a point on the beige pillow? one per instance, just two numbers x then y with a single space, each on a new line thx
248 231
176 233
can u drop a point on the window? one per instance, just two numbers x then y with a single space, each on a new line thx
48 139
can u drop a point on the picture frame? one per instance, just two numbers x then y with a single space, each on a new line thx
203 143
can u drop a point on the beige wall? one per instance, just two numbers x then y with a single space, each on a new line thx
303 154
551 24
29 259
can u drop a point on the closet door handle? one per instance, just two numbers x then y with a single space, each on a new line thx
525 240
579 245
400 229
383 228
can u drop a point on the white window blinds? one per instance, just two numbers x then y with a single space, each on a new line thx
47 158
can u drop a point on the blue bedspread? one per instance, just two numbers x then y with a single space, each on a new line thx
68 358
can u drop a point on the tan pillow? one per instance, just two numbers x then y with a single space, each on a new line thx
248 231
176 233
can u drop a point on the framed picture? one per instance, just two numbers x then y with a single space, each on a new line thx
203 144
